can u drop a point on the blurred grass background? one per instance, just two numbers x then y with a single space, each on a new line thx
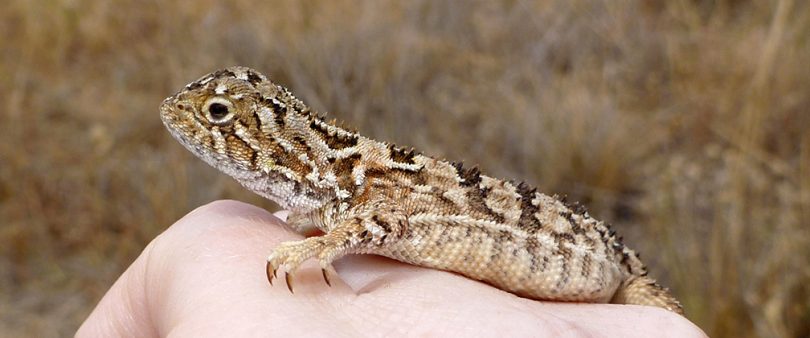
684 123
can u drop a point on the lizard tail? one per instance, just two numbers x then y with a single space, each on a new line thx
642 290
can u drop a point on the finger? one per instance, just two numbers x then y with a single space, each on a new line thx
122 312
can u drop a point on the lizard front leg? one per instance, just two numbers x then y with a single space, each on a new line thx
361 228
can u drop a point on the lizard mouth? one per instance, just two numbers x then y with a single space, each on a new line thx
171 116
166 114
177 118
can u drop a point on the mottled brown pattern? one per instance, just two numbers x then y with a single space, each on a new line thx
373 197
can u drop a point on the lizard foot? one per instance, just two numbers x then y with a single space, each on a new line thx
289 255
366 229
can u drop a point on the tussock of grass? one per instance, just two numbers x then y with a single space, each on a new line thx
684 123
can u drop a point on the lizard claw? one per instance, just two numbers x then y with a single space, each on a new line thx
288 277
326 277
270 274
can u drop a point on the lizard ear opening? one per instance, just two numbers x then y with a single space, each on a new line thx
219 111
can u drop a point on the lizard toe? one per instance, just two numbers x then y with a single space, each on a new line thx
289 255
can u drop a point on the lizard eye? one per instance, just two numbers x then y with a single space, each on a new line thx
218 110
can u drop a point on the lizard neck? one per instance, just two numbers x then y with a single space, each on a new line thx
303 161
321 160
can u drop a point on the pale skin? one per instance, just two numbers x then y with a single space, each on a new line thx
203 277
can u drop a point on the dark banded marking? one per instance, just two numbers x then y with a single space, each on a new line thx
625 258
239 148
586 266
194 85
576 207
375 172
335 141
575 227
223 72
302 143
257 119
533 248
497 257
497 249
279 112
505 236
565 253
383 224
403 226
343 168
254 158
471 177
420 178
291 161
527 220
476 199
401 155
446 202
253 78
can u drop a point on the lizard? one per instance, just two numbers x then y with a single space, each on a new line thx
363 196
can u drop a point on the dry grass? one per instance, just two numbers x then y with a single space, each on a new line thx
683 122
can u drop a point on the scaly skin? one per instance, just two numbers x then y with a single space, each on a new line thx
368 196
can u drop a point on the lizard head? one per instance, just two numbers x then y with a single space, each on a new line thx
256 131
233 119
218 116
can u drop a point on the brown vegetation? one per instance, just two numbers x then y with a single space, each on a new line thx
684 123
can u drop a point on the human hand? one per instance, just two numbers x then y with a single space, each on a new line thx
204 276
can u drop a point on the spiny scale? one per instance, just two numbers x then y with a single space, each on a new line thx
373 197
